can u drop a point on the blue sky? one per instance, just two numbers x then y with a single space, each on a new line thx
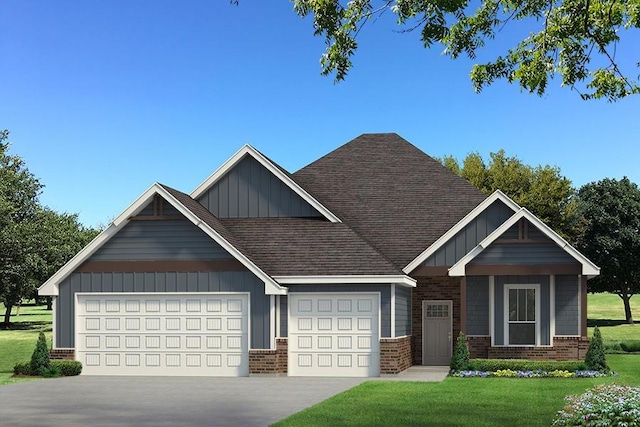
104 98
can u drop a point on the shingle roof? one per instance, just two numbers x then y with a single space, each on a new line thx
390 193
299 246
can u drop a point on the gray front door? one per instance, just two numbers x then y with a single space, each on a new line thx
436 332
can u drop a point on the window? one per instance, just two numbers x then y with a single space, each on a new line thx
521 314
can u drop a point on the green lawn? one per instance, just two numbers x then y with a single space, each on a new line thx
456 401
607 312
17 344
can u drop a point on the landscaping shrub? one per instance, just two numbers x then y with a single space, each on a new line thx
603 405
40 358
460 358
22 369
493 365
67 368
595 358
630 346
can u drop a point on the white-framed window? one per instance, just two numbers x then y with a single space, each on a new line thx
522 314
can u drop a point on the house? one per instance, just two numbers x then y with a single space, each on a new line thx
365 262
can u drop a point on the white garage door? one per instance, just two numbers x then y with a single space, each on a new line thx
334 335
163 334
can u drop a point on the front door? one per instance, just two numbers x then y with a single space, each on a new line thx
436 332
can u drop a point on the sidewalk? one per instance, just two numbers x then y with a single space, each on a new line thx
419 373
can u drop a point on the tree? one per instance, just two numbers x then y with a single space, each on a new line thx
575 39
610 211
541 189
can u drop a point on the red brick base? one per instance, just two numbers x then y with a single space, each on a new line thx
479 347
62 354
271 362
564 348
395 355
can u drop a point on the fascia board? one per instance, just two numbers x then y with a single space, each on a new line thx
347 279
497 195
249 150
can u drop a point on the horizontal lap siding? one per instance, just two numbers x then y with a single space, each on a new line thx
234 281
567 305
478 305
160 240
385 301
469 237
403 311
249 190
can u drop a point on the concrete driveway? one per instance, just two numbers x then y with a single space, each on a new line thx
162 401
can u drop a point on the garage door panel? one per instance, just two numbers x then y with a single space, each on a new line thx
333 335
163 334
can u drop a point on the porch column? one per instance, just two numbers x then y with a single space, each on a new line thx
463 306
583 306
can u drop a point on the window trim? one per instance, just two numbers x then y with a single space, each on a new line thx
507 288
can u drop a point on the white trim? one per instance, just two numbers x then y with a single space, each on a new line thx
272 322
249 150
506 288
497 195
492 308
53 321
393 310
588 268
552 307
347 280
50 287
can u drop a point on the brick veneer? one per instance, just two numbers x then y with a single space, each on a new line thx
62 354
479 347
564 348
271 362
395 355
432 288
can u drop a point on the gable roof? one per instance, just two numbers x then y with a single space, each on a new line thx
390 193
188 207
272 167
442 240
589 269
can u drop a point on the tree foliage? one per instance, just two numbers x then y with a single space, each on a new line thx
34 240
610 211
575 39
541 189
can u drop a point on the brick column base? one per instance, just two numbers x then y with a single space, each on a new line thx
269 362
395 355
62 354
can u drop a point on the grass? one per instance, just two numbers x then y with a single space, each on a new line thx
17 344
456 401
607 312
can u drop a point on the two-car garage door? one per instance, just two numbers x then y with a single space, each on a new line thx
163 334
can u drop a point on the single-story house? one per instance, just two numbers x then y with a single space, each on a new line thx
367 261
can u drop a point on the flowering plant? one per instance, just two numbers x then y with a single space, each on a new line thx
510 373
603 405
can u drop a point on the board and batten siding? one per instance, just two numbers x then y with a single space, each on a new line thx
545 320
249 190
385 302
160 240
567 305
547 252
403 311
180 282
469 237
478 305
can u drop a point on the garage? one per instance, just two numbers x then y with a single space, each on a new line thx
334 334
197 334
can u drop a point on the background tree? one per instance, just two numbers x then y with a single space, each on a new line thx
575 39
610 211
541 189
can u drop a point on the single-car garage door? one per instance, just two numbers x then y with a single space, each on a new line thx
334 335
163 334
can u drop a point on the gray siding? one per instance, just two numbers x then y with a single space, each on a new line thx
249 190
567 303
160 240
469 237
234 281
403 311
478 305
523 254
284 315
545 321
385 302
